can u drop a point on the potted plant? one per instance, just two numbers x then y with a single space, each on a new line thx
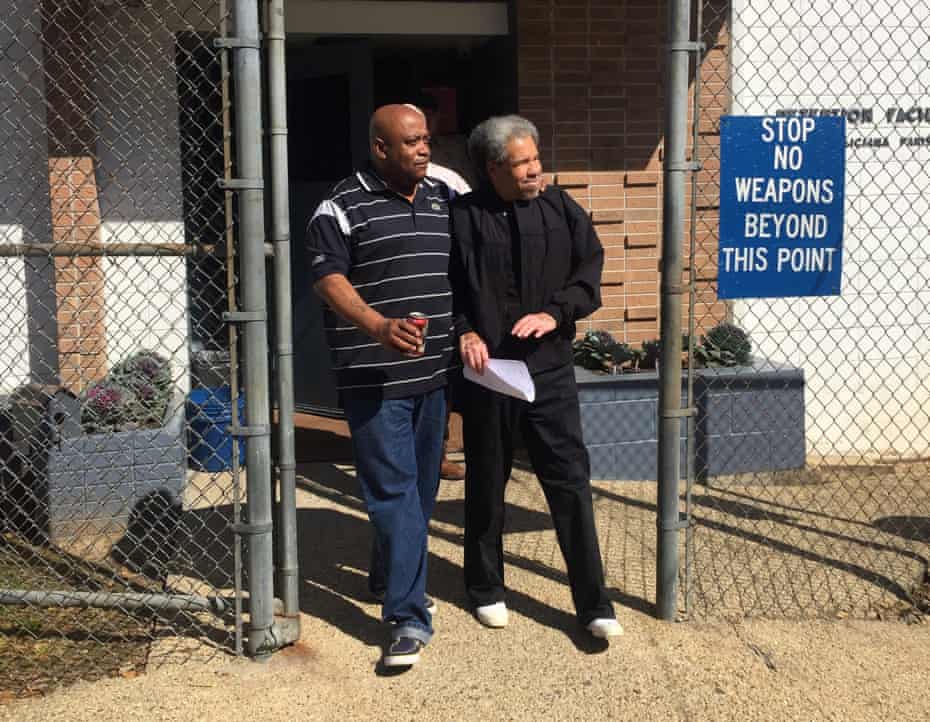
129 444
135 394
599 351
750 415
726 344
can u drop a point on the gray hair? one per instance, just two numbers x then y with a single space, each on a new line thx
488 141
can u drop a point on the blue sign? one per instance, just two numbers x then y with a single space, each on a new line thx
782 183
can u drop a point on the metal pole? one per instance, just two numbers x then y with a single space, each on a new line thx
673 210
284 350
253 316
231 301
691 450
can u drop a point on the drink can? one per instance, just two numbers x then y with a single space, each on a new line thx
421 321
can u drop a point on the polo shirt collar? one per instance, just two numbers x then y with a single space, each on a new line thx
374 183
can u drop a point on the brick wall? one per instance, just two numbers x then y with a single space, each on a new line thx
591 78
78 280
75 209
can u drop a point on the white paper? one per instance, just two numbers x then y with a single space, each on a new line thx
505 377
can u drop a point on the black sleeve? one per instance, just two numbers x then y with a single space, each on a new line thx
459 257
581 295
327 242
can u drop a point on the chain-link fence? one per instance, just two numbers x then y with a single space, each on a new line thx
120 487
810 490
121 510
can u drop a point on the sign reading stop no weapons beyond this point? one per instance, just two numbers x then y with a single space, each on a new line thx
782 183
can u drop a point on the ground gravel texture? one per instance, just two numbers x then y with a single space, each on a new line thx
540 667
758 671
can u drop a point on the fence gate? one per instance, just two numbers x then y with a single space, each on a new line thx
132 280
809 487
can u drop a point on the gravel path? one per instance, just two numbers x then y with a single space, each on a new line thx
756 671
541 666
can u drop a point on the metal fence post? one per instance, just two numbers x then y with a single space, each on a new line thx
249 182
284 349
673 214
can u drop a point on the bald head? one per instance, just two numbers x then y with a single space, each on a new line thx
388 118
399 145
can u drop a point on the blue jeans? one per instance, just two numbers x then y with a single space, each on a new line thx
398 450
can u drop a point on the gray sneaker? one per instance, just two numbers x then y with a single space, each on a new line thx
403 652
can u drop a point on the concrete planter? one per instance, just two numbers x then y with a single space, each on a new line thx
749 418
104 477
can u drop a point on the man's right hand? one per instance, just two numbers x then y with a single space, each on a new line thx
398 334
474 351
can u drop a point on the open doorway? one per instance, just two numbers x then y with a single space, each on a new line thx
334 84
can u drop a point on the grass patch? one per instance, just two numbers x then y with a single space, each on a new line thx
43 648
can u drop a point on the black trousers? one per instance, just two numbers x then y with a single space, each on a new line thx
551 430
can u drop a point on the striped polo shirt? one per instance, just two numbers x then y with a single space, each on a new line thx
396 255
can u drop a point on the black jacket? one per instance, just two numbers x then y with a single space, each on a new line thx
561 263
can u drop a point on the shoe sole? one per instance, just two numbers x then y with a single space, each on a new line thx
492 623
401 660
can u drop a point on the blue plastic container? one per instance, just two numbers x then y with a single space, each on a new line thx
209 444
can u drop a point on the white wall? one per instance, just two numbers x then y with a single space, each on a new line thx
865 352
14 332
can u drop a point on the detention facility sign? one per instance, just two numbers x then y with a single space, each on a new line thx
782 187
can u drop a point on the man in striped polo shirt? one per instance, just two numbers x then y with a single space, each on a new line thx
379 250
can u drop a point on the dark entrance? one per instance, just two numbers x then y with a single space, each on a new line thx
334 83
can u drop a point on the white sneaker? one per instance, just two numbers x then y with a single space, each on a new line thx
492 615
604 628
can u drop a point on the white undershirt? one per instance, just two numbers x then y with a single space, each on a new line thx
449 177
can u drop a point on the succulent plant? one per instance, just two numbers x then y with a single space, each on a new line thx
621 353
134 394
599 351
726 344
649 355
104 405
593 351
144 367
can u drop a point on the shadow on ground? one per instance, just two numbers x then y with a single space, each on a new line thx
334 552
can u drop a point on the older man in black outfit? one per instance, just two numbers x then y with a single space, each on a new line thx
526 264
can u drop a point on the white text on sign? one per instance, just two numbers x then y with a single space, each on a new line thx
787 136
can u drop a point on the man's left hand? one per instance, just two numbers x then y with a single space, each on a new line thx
534 325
